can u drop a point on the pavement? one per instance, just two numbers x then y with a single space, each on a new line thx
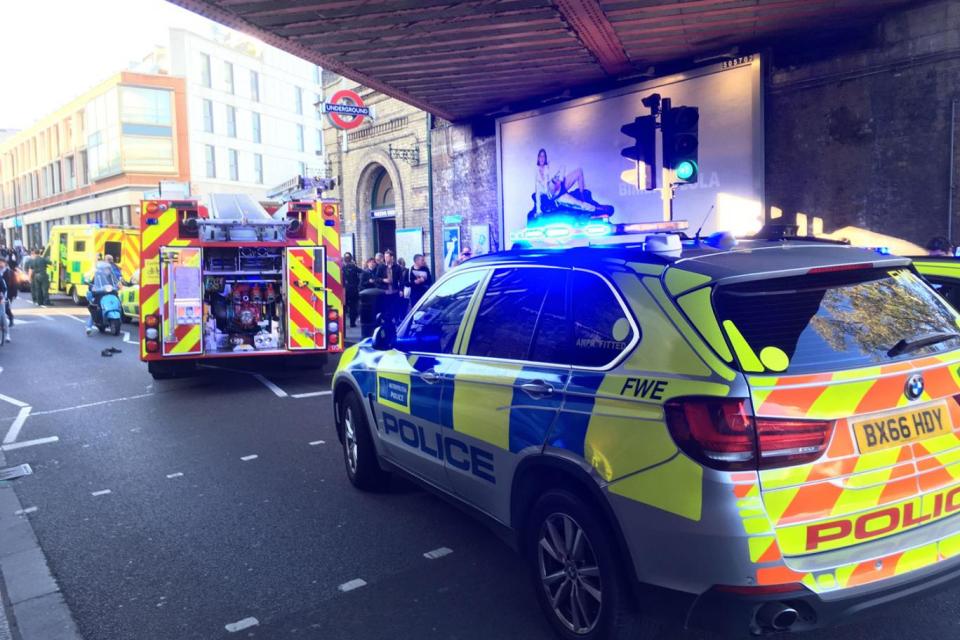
217 506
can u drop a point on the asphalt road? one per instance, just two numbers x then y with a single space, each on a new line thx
195 534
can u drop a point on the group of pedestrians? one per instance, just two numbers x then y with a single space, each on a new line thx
35 265
402 286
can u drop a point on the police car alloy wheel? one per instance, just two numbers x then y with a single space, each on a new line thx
359 455
569 572
578 576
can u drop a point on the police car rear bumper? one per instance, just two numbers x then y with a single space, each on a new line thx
737 613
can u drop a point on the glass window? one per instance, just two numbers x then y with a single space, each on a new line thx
258 167
231 121
317 109
228 76
147 153
114 249
256 127
208 116
837 320
234 165
79 245
316 74
146 106
205 78
254 86
320 140
211 158
303 168
434 325
299 137
601 330
298 100
509 314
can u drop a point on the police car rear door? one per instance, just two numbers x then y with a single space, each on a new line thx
508 386
409 391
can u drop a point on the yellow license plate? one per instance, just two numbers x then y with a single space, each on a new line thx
911 425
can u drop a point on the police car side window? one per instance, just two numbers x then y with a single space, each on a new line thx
508 317
601 330
435 323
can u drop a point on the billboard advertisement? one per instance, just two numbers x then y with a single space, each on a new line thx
566 157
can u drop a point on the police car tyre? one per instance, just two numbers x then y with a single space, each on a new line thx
580 583
359 455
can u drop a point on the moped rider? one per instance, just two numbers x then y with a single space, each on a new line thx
101 279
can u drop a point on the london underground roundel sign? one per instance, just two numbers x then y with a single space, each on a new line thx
346 109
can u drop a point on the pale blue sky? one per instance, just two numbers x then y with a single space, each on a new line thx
54 50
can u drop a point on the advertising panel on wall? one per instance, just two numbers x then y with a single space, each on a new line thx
571 151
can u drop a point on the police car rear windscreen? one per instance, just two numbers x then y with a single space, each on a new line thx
834 320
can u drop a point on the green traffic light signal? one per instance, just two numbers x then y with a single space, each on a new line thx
686 170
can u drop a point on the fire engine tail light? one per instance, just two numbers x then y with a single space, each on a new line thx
152 346
152 321
721 434
329 210
333 338
156 207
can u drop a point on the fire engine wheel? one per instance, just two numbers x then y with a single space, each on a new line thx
580 583
359 455
75 296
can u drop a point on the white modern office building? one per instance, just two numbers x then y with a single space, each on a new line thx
250 107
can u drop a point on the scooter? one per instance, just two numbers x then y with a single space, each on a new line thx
106 310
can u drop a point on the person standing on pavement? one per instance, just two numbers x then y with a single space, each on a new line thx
27 266
368 279
378 256
40 279
351 286
10 279
420 279
389 278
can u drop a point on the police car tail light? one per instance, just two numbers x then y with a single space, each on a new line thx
785 442
717 432
720 433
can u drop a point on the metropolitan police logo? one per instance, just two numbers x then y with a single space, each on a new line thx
914 387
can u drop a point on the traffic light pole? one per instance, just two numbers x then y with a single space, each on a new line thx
667 194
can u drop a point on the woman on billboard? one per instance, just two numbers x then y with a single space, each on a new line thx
563 192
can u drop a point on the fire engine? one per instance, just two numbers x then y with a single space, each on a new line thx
223 278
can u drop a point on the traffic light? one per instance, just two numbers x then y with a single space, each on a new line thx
644 131
680 126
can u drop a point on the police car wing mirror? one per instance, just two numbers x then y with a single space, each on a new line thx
385 335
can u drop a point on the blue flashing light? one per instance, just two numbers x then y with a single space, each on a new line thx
558 231
152 221
597 229
884 251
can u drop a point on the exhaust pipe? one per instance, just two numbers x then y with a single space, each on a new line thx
778 616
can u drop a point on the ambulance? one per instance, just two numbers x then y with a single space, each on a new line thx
750 438
74 249
222 278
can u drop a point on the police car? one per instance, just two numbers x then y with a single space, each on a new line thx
760 438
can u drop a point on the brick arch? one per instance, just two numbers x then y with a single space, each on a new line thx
372 161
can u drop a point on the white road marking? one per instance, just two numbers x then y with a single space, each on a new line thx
78 319
126 338
248 458
14 431
23 512
356 583
29 443
277 391
312 394
50 318
437 553
316 442
90 404
240 625
13 401
178 474
101 493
